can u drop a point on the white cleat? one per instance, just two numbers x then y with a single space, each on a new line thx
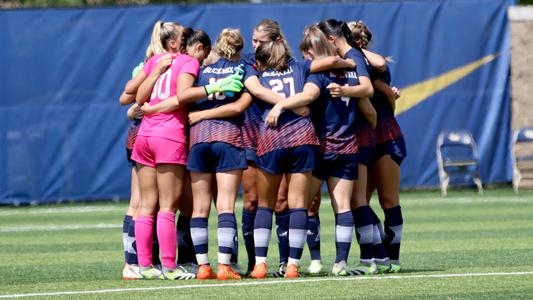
131 272
315 267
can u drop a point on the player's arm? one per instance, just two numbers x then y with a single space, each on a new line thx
368 111
363 90
262 93
392 93
225 111
308 95
377 61
330 62
126 98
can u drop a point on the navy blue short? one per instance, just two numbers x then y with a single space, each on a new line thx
131 162
250 155
365 155
343 166
395 148
299 159
215 157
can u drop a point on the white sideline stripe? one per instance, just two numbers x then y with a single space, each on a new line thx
55 210
259 282
30 228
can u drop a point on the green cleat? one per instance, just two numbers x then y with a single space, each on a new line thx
150 273
364 269
339 269
177 274
394 268
315 268
383 268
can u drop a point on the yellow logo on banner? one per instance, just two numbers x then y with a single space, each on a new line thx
418 92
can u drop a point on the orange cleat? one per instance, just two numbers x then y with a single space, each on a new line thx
259 272
292 271
225 272
205 272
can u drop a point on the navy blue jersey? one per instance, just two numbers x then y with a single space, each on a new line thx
334 118
363 68
292 130
252 115
387 128
226 130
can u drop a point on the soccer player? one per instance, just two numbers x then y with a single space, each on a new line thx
288 149
388 154
161 32
334 120
161 148
217 155
340 36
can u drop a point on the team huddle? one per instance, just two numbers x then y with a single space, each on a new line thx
208 118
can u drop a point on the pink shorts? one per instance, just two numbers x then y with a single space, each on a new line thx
153 150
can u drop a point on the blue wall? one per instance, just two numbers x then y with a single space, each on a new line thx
62 131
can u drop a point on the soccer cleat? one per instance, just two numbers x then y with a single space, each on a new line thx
395 268
339 269
292 271
225 272
364 269
259 272
383 268
315 267
205 272
177 274
131 272
189 267
281 271
150 273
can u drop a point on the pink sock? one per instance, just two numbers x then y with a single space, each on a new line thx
144 234
166 233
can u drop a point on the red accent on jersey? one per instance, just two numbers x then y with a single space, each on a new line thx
292 134
215 130
132 135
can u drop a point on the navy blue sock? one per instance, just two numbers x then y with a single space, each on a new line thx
362 219
199 233
131 255
155 246
186 252
393 231
235 252
227 230
125 226
313 237
297 234
378 250
282 231
248 217
343 235
262 232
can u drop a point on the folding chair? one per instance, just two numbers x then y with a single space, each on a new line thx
522 154
457 154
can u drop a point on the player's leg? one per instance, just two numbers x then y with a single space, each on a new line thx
363 223
267 190
249 211
227 188
340 191
131 268
281 210
313 229
186 254
387 174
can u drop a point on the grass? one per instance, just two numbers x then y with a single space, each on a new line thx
47 249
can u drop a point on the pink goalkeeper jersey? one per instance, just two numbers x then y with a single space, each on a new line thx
168 125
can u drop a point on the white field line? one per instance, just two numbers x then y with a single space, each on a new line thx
30 228
60 210
259 283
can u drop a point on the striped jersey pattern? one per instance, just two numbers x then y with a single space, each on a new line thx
292 134
216 130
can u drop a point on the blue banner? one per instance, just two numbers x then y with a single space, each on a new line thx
62 131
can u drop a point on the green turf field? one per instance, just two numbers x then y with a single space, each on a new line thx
465 246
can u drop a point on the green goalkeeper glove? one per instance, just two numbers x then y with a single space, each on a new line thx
137 69
231 83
